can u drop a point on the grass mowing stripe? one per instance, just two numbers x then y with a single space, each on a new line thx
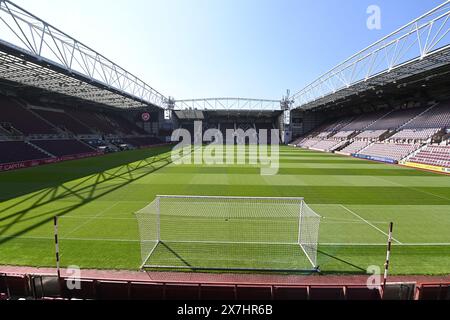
91 219
370 224
414 200
224 242
72 239
415 189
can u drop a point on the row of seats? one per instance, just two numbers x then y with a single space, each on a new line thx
22 119
64 121
343 134
436 117
355 146
364 121
17 151
142 142
61 148
371 134
47 287
394 151
308 143
45 121
396 119
433 155
328 145
403 132
416 123
415 134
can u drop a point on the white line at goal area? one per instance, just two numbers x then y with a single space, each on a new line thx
229 233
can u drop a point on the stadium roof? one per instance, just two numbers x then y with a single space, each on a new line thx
419 47
33 53
228 104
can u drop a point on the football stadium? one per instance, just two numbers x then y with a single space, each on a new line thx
338 191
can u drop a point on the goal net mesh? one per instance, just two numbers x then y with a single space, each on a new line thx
182 232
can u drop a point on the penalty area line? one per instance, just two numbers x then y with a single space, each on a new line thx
367 222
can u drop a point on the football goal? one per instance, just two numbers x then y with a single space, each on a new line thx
229 233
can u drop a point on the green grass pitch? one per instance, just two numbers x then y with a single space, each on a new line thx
97 199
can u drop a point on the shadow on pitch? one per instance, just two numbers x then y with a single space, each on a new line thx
89 189
359 270
27 181
176 255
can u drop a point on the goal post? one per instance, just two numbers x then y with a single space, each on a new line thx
228 233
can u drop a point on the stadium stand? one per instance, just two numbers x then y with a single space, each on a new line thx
355 147
396 119
45 133
63 121
392 135
414 134
142 142
61 148
43 287
433 155
21 119
364 121
328 145
94 121
15 151
436 117
433 292
392 151
343 134
309 143
371 134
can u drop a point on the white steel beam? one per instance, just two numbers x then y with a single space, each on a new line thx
25 33
424 37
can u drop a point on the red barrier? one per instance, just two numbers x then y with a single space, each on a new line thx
40 162
154 146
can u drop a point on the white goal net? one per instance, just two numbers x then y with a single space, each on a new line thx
228 233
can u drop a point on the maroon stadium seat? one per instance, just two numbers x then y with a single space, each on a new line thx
326 293
182 292
22 119
362 293
18 286
87 291
61 148
211 292
3 287
291 293
17 151
146 291
62 120
112 290
254 293
434 292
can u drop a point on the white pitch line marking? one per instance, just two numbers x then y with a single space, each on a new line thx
384 244
91 219
320 244
370 224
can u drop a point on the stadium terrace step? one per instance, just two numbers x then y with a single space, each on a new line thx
40 149
15 151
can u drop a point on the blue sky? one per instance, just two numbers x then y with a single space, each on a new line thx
226 48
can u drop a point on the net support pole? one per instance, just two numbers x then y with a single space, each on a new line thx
158 219
58 269
300 224
388 256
